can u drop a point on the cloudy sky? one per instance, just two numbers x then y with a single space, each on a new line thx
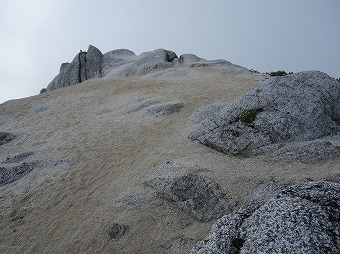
266 35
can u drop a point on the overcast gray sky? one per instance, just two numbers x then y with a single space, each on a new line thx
266 35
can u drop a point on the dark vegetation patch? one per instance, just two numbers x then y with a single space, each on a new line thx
278 73
235 133
248 116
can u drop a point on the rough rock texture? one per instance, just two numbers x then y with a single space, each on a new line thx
333 177
188 59
149 61
301 219
195 194
93 63
116 230
211 63
281 111
11 174
18 158
85 65
164 109
307 152
143 104
122 63
5 137
116 58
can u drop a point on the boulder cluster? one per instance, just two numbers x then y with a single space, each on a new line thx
122 63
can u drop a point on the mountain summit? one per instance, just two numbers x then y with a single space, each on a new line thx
123 63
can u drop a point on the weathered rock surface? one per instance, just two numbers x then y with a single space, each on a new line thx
307 152
116 230
5 137
11 174
18 158
115 58
143 104
188 59
273 117
85 66
94 59
164 109
122 63
150 61
195 194
304 218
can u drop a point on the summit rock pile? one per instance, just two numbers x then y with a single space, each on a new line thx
122 63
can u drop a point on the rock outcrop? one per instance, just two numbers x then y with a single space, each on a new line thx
286 115
196 195
85 65
116 230
11 174
5 137
301 219
122 63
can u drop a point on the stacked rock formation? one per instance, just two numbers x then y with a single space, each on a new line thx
85 66
122 63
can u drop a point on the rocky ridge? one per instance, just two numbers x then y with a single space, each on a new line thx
122 63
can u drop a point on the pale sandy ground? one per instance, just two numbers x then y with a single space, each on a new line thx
96 157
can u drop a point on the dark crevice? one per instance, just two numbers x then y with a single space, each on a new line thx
81 67
237 243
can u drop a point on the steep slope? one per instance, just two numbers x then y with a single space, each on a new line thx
95 147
